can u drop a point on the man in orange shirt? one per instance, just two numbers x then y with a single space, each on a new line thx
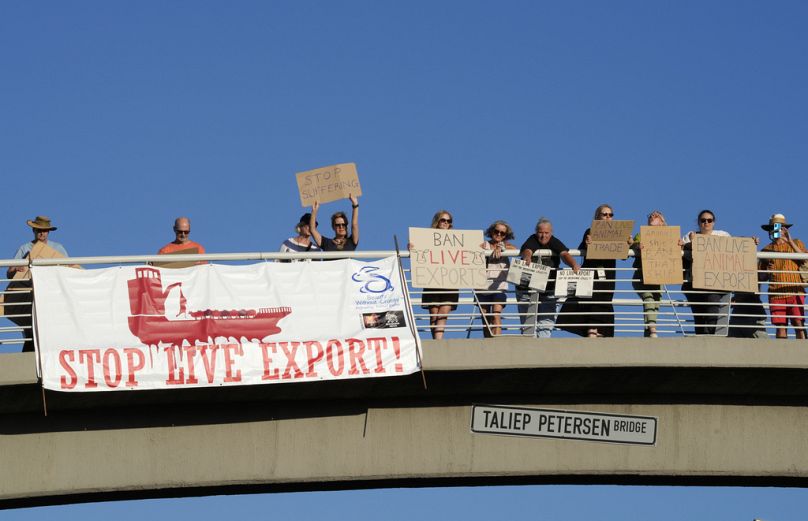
182 242
786 294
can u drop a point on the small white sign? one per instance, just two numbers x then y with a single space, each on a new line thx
570 283
532 275
572 425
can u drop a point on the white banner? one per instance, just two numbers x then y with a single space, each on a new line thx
141 327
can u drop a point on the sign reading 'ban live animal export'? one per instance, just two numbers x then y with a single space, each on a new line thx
724 263
447 259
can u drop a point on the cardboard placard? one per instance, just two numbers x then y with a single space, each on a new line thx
570 283
447 259
661 255
609 239
530 274
183 264
21 285
329 183
724 263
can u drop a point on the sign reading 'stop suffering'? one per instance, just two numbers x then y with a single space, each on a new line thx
724 263
661 255
329 183
447 259
609 239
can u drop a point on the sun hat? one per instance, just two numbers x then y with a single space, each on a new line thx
41 223
775 219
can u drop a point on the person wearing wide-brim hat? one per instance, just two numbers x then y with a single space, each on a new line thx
786 291
41 227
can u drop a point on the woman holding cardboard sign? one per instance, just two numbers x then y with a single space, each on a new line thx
593 318
651 295
439 302
339 223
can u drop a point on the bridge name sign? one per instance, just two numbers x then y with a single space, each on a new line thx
560 424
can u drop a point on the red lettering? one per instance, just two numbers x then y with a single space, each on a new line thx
454 255
312 358
190 355
208 353
377 344
70 381
132 366
334 345
176 375
397 350
269 374
356 348
111 357
290 360
90 357
229 374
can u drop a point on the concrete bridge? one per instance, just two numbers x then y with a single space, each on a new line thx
728 412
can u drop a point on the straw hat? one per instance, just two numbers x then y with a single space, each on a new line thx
41 223
774 219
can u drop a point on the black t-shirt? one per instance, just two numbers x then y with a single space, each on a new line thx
554 245
554 261
330 245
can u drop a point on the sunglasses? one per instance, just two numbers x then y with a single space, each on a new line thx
606 214
442 220
706 221
500 232
340 225
182 232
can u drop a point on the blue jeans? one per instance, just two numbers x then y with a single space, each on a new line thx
537 312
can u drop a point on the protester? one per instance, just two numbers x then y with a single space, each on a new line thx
544 305
300 243
439 302
650 294
339 223
492 299
786 293
182 242
593 317
710 310
20 290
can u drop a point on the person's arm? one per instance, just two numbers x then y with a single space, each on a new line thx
354 219
318 239
527 255
570 261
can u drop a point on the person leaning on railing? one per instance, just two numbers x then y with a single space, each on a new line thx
492 299
786 293
544 305
301 243
20 289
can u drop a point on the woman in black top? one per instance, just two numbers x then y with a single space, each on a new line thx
593 317
339 223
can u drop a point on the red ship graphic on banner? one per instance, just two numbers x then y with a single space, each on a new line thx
149 323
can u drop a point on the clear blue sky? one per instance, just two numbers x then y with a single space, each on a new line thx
119 116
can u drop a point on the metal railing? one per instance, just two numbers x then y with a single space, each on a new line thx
745 314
